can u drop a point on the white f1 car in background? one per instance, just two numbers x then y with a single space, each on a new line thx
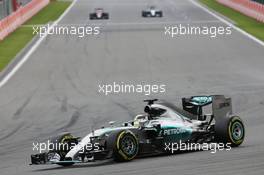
152 12
99 14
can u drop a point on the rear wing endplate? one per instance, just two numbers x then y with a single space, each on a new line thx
221 105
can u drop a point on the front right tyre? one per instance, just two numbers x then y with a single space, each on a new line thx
61 145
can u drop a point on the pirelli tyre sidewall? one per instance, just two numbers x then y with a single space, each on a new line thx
230 130
236 131
125 147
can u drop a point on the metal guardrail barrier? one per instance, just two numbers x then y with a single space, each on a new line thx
9 6
6 8
247 7
259 1
9 23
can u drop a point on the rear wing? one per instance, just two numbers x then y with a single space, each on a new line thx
221 105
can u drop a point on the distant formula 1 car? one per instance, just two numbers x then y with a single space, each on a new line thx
152 12
99 14
148 133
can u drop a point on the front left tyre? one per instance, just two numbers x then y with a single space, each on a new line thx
124 145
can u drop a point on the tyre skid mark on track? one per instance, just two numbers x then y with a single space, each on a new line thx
73 84
13 131
64 104
131 113
19 111
32 49
74 118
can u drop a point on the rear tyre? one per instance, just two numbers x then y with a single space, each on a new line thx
91 16
124 145
230 130
106 16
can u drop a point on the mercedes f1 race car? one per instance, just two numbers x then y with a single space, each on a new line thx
152 12
99 14
161 125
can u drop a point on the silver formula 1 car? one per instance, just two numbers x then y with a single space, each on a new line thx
151 132
152 11
99 14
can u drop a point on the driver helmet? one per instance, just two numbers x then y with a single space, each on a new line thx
140 119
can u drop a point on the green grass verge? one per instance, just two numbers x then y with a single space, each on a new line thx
16 41
244 22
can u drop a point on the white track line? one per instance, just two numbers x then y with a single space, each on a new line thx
132 23
35 46
157 23
228 23
32 49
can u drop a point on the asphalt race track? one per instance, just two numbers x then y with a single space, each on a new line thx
57 88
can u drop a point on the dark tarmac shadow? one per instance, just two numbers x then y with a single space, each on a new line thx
112 162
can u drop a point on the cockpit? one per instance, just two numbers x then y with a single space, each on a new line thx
157 112
164 112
